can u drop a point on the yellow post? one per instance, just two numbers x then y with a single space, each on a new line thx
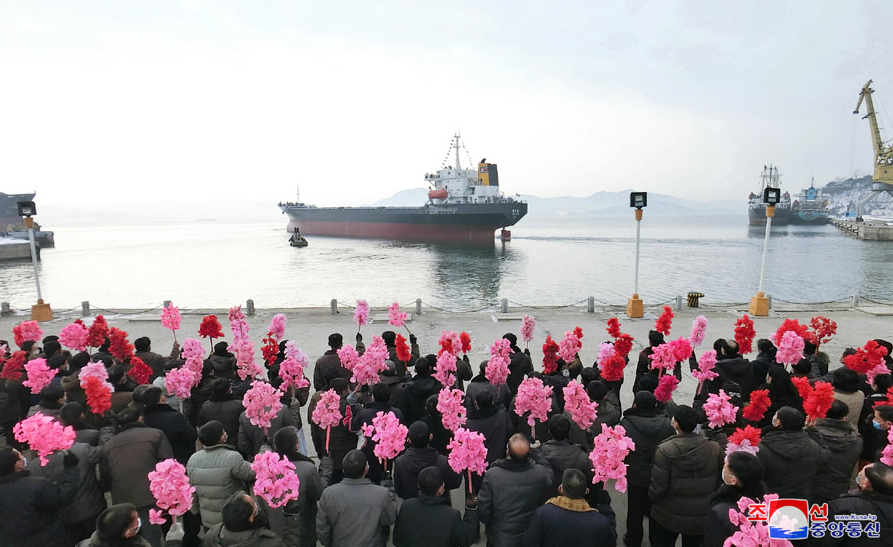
634 307
759 304
39 311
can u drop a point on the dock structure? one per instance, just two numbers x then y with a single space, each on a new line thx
868 230
14 249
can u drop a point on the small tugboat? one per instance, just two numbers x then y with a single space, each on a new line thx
297 240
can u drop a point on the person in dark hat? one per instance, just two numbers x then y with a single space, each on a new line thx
223 362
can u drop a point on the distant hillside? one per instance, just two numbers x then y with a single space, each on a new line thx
599 204
847 193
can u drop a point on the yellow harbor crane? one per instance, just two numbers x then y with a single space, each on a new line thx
882 180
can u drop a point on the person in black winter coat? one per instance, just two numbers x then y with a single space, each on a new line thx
501 395
341 440
687 469
440 435
731 367
89 501
428 521
520 365
417 390
647 428
874 497
791 458
223 407
843 444
512 490
176 428
496 427
29 505
329 365
742 477
568 520
381 402
420 456
222 362
765 357
782 392
643 365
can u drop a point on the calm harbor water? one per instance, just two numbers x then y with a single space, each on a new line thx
548 262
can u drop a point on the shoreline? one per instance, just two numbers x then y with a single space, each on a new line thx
596 307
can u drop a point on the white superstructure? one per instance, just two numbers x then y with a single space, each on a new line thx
453 184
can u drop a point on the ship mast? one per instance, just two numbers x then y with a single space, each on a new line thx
456 146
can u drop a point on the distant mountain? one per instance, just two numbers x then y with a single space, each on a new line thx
599 204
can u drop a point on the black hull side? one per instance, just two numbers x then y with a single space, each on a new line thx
431 222
786 217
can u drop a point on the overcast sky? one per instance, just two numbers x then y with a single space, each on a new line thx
215 104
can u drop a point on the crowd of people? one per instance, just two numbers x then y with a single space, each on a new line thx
538 488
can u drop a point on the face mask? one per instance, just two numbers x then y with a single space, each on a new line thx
139 523
876 424
25 462
724 475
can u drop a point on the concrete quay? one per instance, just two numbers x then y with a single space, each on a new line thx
869 230
14 249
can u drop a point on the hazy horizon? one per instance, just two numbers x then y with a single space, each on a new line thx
149 109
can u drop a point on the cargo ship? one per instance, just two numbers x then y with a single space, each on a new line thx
463 204
810 206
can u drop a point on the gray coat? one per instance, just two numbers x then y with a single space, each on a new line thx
355 513
509 496
217 472
127 460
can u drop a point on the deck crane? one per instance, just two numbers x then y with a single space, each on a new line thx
882 180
